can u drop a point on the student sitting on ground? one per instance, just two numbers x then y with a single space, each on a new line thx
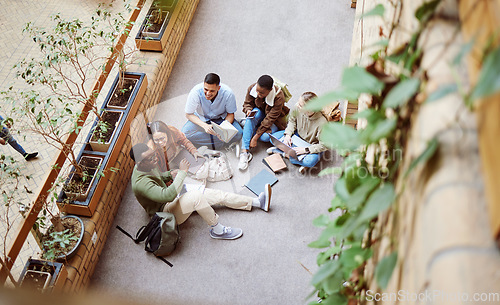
150 189
306 125
171 140
268 101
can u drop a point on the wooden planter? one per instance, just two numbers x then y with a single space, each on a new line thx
55 274
88 206
113 118
147 41
83 193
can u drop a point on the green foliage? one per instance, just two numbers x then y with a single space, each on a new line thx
57 243
385 268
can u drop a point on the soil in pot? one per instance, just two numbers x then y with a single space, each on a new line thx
58 244
103 135
155 22
122 95
80 183
36 280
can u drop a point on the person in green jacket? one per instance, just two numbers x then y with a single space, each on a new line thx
150 188
307 126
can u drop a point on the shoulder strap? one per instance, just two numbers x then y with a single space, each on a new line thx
165 261
144 231
124 232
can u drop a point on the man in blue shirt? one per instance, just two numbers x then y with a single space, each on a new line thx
209 102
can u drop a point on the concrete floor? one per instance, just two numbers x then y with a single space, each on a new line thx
305 44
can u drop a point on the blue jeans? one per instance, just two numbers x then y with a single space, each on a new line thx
251 127
199 137
310 160
5 134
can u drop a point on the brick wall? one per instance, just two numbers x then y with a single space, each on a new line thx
440 224
157 66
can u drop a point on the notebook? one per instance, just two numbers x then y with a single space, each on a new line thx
184 154
257 183
274 162
225 130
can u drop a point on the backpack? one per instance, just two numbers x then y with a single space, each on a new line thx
284 88
161 235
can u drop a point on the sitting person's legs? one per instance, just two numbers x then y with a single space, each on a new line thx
274 130
199 137
250 128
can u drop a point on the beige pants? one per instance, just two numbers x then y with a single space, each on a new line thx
202 203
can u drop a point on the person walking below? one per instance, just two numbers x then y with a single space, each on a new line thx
6 137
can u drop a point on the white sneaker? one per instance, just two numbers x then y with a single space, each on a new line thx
265 198
237 150
245 157
272 150
302 170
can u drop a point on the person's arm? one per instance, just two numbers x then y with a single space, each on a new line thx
290 129
157 193
272 115
249 103
196 120
181 139
230 118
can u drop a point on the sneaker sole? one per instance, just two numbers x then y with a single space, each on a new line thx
214 236
249 159
268 192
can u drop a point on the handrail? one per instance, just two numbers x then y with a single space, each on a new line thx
15 247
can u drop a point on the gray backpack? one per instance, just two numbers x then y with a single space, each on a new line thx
161 235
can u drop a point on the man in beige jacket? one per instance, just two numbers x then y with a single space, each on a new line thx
306 125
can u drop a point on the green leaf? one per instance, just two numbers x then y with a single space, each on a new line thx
402 92
426 10
379 201
330 171
384 269
464 50
361 193
321 221
335 299
319 244
428 152
339 136
383 129
324 256
361 81
489 76
337 203
354 257
378 10
441 92
341 189
326 270
329 98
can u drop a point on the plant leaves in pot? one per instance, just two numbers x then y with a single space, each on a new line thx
62 245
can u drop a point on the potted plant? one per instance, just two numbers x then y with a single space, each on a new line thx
60 244
43 275
156 27
73 49
104 130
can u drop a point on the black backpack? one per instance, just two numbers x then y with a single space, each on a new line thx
161 235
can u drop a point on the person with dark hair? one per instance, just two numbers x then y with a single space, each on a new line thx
306 125
171 140
150 187
268 102
6 137
210 101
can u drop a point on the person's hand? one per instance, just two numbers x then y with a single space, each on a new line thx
253 142
248 112
288 140
209 129
173 173
197 155
300 150
2 141
184 165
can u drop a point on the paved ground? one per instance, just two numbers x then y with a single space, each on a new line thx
305 45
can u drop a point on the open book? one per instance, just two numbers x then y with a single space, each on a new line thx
225 130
